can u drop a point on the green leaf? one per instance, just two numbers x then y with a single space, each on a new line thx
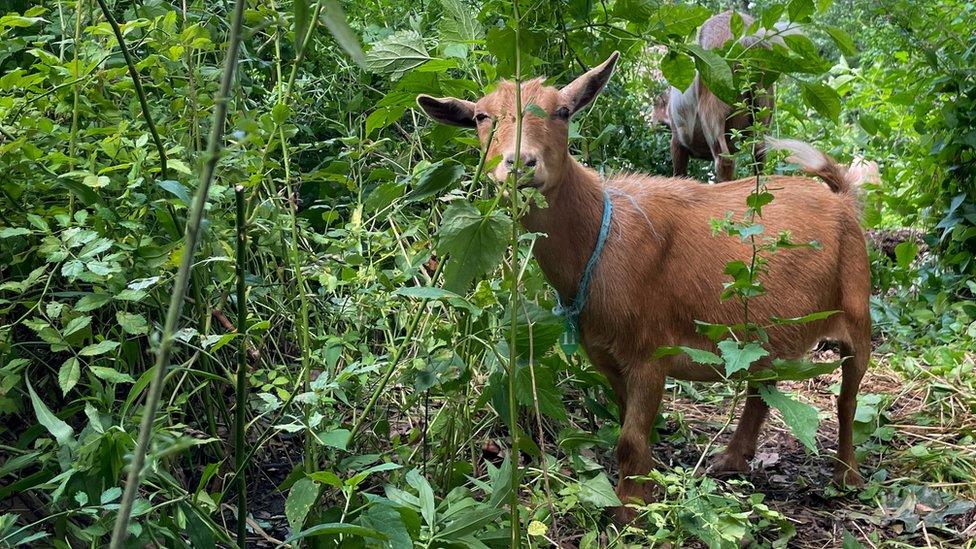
793 369
822 98
300 499
435 180
469 522
134 324
397 54
90 302
475 242
99 348
812 317
387 520
715 72
800 417
459 24
800 10
678 69
10 232
905 253
843 40
383 117
111 375
548 394
740 357
337 438
335 20
76 325
426 495
110 495
61 431
68 374
598 492
336 528
177 189
300 26
536 110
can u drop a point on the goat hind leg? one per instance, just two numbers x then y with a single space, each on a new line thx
856 359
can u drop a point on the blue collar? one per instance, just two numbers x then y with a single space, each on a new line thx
570 338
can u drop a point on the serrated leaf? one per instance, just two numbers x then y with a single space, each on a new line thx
61 431
397 54
68 374
134 324
10 232
598 492
822 98
435 180
475 243
678 69
76 325
740 357
91 302
460 24
99 348
300 499
111 375
800 417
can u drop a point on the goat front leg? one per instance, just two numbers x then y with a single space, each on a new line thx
679 157
742 446
645 387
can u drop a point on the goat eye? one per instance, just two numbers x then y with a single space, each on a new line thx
480 117
562 112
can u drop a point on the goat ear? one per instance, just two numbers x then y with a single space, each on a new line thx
448 110
580 92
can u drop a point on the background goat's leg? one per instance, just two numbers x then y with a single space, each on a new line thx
679 157
742 445
645 387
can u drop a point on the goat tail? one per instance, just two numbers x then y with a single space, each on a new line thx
815 163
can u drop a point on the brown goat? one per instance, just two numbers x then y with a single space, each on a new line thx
662 268
701 123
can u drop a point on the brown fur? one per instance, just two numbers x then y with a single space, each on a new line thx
662 269
701 123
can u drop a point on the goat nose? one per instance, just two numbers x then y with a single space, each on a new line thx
528 160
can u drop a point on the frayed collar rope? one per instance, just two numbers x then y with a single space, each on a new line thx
570 338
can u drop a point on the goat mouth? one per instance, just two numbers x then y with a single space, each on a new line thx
531 185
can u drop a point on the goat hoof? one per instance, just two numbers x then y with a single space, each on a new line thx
729 463
623 515
848 477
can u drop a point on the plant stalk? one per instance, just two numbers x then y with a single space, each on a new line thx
516 530
120 530
140 92
241 397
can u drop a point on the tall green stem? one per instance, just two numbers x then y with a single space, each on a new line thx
137 82
119 532
516 530
241 399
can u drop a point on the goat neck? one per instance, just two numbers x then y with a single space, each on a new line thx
571 224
